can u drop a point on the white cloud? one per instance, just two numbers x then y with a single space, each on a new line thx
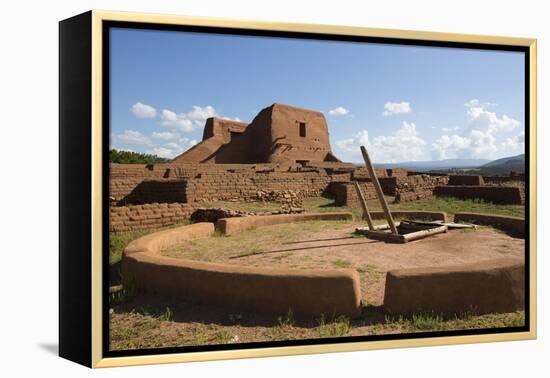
405 144
167 143
142 110
515 143
165 135
236 119
391 108
171 149
480 118
132 137
479 139
339 111
163 152
187 122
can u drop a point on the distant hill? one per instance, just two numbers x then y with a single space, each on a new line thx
505 165
518 160
436 164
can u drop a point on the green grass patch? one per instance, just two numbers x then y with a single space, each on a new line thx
253 241
337 328
447 204
119 240
342 263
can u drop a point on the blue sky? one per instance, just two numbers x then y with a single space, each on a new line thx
404 103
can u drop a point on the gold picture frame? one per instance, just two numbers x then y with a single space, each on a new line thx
92 25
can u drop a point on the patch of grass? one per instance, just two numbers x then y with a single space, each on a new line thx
342 263
200 335
447 204
337 328
282 330
137 330
166 315
119 240
253 241
435 322
426 322
122 296
454 205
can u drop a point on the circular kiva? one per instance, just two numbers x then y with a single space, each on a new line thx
490 286
305 292
495 285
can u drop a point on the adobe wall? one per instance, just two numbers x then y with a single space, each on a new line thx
389 184
345 193
230 226
217 133
286 141
332 292
412 188
512 225
142 217
491 286
245 186
278 133
397 172
465 180
496 194
361 173
160 190
416 173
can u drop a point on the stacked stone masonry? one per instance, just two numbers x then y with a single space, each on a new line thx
345 193
466 180
495 194
154 215
412 188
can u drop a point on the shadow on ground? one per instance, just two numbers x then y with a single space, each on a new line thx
186 312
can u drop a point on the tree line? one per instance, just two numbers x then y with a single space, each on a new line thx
129 157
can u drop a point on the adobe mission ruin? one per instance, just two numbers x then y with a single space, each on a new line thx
278 134
320 262
284 155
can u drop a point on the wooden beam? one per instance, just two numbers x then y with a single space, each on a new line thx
383 236
378 189
363 201
424 233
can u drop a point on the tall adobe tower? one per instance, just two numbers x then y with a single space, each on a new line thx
278 134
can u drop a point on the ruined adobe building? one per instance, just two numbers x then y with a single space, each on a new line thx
278 134
285 151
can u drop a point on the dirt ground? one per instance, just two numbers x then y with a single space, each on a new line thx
154 322
336 246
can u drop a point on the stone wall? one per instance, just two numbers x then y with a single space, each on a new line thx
496 194
412 188
196 182
361 173
466 180
142 217
245 186
389 184
397 172
160 190
345 193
